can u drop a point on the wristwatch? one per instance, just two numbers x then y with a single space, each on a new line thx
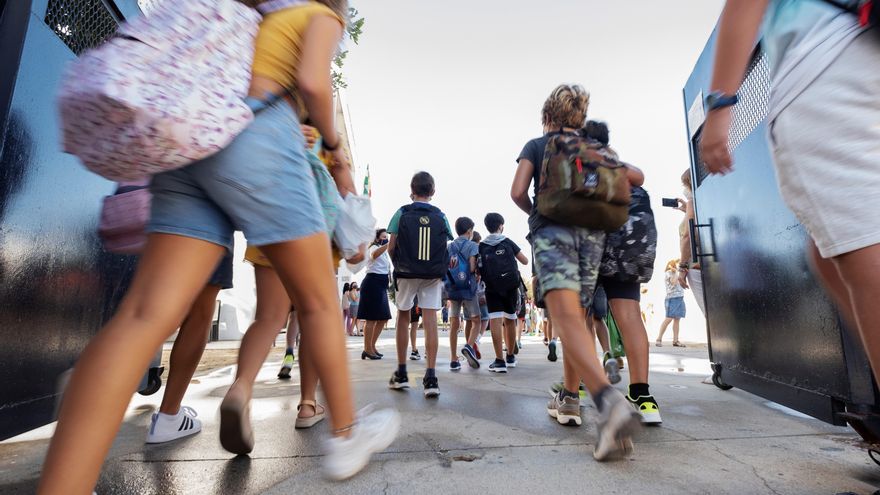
717 99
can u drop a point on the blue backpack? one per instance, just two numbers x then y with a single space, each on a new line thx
461 284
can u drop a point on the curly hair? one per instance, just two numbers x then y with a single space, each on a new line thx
672 266
566 106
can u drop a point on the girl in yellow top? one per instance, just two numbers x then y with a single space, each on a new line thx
261 184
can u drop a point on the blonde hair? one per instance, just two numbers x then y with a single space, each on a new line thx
566 106
672 266
686 179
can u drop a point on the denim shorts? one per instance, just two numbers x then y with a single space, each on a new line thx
222 276
261 184
675 307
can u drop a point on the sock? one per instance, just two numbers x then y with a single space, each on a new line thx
430 373
401 369
637 390
600 404
565 393
289 351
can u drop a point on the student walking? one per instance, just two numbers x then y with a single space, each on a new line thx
346 307
498 268
419 233
263 187
675 308
354 297
567 259
374 308
461 288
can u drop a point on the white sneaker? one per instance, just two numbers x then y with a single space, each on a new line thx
373 432
617 424
165 427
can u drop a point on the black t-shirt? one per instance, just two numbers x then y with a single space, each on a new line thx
533 151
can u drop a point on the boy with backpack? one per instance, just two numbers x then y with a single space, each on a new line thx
419 233
461 286
498 257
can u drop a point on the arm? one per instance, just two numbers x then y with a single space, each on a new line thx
382 250
392 243
321 40
519 191
473 263
635 175
737 34
686 254
522 258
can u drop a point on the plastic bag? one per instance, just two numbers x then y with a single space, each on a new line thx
355 225
355 269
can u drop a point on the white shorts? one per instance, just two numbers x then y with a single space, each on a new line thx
429 292
826 147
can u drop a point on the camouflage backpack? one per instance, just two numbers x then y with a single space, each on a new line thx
631 250
583 183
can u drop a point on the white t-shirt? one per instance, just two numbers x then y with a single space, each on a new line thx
381 264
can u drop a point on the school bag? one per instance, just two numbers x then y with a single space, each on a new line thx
166 91
124 217
421 250
499 268
631 250
460 282
582 183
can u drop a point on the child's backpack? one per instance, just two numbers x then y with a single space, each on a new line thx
582 183
461 284
421 250
499 268
168 90
631 250
124 218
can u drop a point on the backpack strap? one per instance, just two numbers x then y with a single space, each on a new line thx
271 6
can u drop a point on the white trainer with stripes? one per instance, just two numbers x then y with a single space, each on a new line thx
167 427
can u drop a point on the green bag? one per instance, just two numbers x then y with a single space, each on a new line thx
583 183
614 339
328 194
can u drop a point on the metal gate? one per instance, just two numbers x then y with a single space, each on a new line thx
772 330
57 286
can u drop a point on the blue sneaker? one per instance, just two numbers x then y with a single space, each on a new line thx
454 366
498 366
468 352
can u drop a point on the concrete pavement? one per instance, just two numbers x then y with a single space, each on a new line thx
486 432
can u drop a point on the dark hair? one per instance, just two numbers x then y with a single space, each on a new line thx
353 286
379 233
477 237
346 287
462 225
493 222
422 185
598 131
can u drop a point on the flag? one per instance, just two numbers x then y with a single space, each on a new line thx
368 188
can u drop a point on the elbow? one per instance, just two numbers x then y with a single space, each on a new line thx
312 88
518 196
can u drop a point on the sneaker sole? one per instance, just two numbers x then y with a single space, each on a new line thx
651 419
391 431
511 365
612 370
432 393
153 441
413 358
503 370
618 445
284 374
398 386
551 356
306 423
471 359
236 436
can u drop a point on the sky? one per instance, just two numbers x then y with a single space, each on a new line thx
456 88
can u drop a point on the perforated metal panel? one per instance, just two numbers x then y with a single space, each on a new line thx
81 24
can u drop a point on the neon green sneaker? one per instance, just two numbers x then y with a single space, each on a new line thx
286 366
648 408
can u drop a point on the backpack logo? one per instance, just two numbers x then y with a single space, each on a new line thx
424 220
424 241
499 252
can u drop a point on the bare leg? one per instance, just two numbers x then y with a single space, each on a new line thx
580 347
346 317
369 328
510 335
570 379
860 272
675 325
454 326
601 331
548 329
663 327
292 330
378 326
495 326
171 273
635 337
308 378
306 268
188 349
402 335
471 330
413 333
432 342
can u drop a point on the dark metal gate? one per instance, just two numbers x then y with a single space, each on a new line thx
772 330
57 287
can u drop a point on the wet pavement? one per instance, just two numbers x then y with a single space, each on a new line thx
486 432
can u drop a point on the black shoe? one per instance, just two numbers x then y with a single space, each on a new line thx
498 366
398 382
454 366
517 347
414 355
380 354
471 356
367 355
551 354
432 389
511 361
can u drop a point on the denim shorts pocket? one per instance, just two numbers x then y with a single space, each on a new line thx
253 162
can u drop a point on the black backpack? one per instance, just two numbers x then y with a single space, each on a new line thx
421 250
630 252
498 266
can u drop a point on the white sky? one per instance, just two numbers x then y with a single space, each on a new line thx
456 88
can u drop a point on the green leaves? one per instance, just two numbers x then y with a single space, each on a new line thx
353 31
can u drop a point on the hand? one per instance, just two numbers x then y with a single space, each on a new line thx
311 134
341 172
682 205
362 254
713 144
682 278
